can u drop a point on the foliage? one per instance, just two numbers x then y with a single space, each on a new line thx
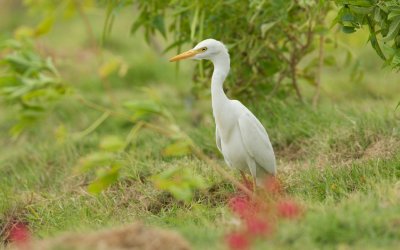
104 163
28 81
383 21
267 44
180 182
342 164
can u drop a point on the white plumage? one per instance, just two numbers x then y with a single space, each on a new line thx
240 136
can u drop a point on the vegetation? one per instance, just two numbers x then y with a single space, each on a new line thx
273 37
382 19
99 130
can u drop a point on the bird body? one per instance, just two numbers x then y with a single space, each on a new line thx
240 136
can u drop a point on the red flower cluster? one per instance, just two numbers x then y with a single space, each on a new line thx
272 185
19 234
238 241
242 206
259 217
288 209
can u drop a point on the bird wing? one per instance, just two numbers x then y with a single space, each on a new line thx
218 139
256 142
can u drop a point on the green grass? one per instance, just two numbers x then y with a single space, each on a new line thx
341 160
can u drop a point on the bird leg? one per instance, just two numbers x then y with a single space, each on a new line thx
246 181
254 184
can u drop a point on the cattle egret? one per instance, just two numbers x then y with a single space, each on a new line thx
240 136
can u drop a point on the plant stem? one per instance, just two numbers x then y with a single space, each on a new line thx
293 63
319 69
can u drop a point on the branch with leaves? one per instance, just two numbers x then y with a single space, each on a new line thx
383 21
248 28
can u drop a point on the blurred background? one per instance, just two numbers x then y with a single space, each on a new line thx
91 107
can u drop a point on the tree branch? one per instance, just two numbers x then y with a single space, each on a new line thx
319 69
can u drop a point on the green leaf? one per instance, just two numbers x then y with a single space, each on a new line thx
180 182
112 143
143 109
394 29
158 23
330 60
178 148
377 15
141 21
181 192
108 67
361 10
94 160
104 180
347 16
348 30
174 45
393 15
44 26
265 27
395 61
374 40
362 3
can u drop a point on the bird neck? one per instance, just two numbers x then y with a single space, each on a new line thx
221 69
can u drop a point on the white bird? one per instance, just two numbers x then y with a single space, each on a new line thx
240 136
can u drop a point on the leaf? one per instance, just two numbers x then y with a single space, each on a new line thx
143 109
178 148
181 192
362 3
105 179
158 23
393 15
109 67
330 60
173 45
94 160
44 26
347 16
23 32
377 15
112 143
374 40
348 30
395 61
361 10
180 182
60 133
393 29
141 21
265 27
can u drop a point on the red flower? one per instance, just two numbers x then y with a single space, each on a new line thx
240 205
257 226
272 185
238 241
19 233
243 207
288 209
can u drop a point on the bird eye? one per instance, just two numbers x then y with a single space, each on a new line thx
204 49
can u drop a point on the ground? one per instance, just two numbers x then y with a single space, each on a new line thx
340 160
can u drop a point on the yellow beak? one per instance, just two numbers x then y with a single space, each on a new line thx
184 55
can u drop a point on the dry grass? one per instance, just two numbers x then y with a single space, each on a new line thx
131 237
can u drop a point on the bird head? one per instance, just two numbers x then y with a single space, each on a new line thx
207 49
